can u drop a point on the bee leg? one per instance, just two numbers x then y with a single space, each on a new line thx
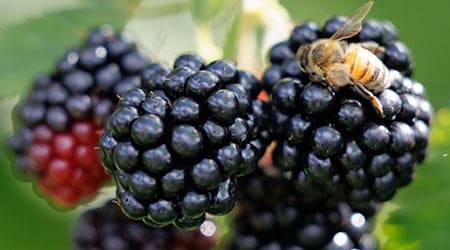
363 91
372 47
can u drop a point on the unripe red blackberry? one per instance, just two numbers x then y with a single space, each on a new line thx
106 228
332 139
176 147
60 120
272 215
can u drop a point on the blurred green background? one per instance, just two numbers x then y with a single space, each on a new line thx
33 33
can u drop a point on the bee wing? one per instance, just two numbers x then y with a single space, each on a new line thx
353 24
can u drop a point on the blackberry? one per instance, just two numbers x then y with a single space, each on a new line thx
333 140
176 147
106 227
61 118
282 220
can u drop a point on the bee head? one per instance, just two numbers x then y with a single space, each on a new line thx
326 52
320 53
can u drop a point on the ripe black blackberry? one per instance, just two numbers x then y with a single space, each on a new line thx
106 228
59 120
176 148
333 139
282 220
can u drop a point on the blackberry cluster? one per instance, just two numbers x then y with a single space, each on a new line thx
332 140
282 220
176 147
60 120
106 228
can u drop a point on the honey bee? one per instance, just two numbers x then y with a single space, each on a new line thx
341 63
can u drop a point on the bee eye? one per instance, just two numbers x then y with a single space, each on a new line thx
316 53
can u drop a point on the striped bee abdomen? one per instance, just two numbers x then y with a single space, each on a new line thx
366 68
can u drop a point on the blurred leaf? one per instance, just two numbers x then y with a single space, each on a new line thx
213 11
16 11
311 10
166 36
231 43
225 230
152 9
6 107
33 46
441 136
419 217
216 17
204 10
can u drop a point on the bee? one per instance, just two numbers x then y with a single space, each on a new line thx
340 63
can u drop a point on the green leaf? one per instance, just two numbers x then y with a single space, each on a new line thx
6 107
419 217
231 42
217 16
225 230
32 47
153 9
164 30
17 11
212 11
